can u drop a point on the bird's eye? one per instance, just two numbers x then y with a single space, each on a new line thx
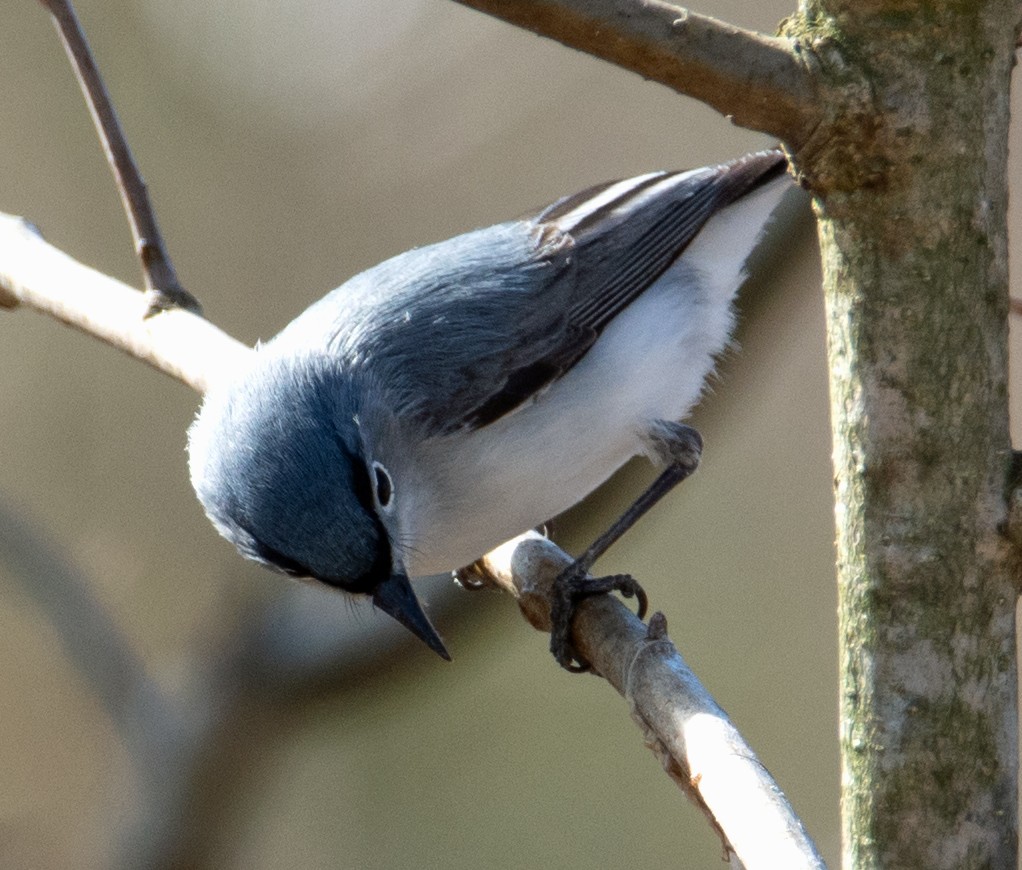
383 486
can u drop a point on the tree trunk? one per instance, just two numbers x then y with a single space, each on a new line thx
909 167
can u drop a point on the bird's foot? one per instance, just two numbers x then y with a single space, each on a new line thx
572 586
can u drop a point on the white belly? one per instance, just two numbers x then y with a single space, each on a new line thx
481 488
537 462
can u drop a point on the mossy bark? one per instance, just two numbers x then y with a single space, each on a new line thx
909 169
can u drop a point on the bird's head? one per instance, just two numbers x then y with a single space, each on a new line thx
278 461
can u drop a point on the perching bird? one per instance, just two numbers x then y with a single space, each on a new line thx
458 394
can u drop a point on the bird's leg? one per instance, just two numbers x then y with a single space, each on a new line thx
677 445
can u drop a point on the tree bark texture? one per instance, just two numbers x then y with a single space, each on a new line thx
909 169
759 81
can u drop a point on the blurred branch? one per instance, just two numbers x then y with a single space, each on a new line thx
159 733
35 274
759 82
92 641
191 750
261 684
698 746
163 290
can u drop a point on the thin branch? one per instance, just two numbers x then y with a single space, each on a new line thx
181 344
163 289
698 746
757 81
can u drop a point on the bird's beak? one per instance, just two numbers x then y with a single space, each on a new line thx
394 596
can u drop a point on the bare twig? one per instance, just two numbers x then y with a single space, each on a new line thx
181 344
163 290
692 737
758 81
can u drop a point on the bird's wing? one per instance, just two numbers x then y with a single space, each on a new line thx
466 331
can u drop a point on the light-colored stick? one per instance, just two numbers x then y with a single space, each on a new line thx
37 275
692 737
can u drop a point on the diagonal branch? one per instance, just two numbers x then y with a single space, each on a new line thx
37 275
694 740
163 289
757 81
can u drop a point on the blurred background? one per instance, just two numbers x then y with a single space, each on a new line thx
166 704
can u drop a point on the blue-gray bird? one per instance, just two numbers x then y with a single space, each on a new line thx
458 394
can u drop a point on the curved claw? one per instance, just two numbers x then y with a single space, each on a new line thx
570 588
641 599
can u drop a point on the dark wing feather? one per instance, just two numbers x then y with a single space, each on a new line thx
466 331
620 248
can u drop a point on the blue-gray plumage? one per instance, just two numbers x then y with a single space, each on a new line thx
460 393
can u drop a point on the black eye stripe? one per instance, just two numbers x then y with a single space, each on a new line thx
361 484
